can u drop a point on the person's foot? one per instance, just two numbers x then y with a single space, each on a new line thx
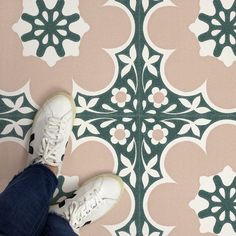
51 130
91 201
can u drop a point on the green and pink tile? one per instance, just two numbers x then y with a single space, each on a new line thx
155 90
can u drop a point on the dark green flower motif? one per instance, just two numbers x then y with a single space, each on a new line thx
222 28
222 204
50 28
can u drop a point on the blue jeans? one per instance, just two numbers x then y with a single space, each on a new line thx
25 202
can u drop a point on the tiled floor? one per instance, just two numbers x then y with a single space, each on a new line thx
155 88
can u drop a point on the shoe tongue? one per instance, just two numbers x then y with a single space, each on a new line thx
54 132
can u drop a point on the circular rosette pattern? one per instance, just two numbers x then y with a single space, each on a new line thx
215 203
219 39
51 30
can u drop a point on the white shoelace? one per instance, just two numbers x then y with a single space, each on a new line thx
81 208
52 139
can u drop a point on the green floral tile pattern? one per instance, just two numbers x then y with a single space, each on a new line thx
221 204
222 27
50 28
217 199
50 32
16 116
139 116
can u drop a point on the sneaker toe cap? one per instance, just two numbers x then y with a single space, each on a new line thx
111 186
60 105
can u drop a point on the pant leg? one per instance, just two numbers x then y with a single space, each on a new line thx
57 226
25 201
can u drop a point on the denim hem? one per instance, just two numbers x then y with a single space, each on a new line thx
47 170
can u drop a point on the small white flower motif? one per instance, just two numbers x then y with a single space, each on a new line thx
158 97
120 96
158 135
119 134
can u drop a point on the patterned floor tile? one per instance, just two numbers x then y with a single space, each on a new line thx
154 87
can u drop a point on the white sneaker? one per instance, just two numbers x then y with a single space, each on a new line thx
91 201
51 130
